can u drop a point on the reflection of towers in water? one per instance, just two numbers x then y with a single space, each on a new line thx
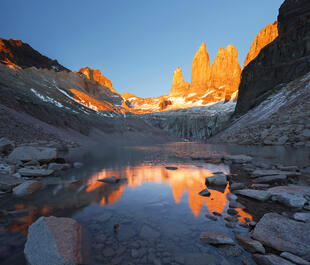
187 179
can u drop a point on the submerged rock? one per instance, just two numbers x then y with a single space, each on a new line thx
283 234
110 180
215 238
54 241
27 188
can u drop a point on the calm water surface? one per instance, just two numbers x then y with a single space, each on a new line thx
160 213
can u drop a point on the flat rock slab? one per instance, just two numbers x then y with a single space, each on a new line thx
27 188
294 259
54 241
304 217
249 244
270 179
28 172
259 195
283 234
270 259
215 238
28 153
292 196
236 186
110 180
238 159
271 172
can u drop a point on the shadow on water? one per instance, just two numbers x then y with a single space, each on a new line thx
160 213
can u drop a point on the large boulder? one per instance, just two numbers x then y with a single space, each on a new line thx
283 234
54 241
27 188
29 153
291 196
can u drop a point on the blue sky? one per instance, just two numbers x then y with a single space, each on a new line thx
136 43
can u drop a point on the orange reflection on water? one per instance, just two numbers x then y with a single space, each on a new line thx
186 179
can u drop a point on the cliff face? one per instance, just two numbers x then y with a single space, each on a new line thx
283 60
95 74
264 37
201 70
226 72
16 53
179 86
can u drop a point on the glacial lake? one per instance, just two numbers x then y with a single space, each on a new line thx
159 211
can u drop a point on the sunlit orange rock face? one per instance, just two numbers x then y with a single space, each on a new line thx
179 86
201 70
264 37
226 72
95 74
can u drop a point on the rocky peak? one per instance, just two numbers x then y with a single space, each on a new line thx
179 86
18 53
226 71
95 75
201 70
283 60
264 37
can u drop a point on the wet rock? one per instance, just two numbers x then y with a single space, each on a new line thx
211 217
249 244
219 179
171 168
232 211
215 238
230 218
259 195
304 217
6 146
217 213
287 168
54 241
270 179
110 180
283 234
260 186
230 251
149 233
291 196
247 219
205 193
27 188
231 224
294 259
270 259
58 167
7 183
28 153
238 159
231 197
29 172
243 224
236 186
235 204
272 172
77 164
252 224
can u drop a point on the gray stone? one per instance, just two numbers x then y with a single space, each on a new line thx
54 241
6 146
272 172
211 217
293 258
205 193
110 180
219 179
27 188
283 234
292 196
29 172
28 153
57 167
215 238
260 186
270 259
259 195
7 183
238 159
304 217
249 244
270 179
232 211
236 186
231 197
287 168
235 204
